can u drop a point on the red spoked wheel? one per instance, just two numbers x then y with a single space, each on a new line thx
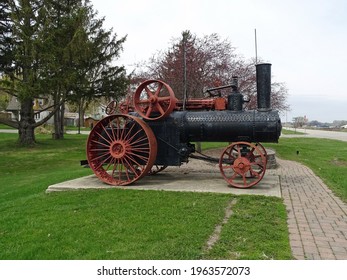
243 164
121 149
154 99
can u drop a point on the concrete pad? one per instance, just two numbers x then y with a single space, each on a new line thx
175 179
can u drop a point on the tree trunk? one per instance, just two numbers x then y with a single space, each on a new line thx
58 125
58 132
81 111
26 123
79 118
62 113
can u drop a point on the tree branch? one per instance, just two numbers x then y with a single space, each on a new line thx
51 114
10 123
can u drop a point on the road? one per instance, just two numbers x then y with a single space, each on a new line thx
335 135
16 131
9 130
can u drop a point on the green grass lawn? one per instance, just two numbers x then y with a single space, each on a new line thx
290 132
4 126
121 224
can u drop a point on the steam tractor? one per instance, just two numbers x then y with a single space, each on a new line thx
156 130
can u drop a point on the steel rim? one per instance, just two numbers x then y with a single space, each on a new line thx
121 149
243 164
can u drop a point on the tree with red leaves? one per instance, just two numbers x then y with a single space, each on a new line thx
195 64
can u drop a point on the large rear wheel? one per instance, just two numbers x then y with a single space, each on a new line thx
121 149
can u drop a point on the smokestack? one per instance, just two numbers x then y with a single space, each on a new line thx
263 86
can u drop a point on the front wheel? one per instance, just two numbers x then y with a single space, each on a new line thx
243 164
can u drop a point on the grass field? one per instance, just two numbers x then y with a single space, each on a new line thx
121 224
291 132
4 126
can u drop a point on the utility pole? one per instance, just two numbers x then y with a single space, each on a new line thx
185 36
256 46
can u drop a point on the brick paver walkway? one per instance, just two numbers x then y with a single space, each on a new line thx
317 219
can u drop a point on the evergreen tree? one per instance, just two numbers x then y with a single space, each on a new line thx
56 48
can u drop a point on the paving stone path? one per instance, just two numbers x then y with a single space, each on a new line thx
317 219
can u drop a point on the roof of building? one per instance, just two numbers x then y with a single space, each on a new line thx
13 105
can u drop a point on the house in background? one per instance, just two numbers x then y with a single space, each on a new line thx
14 108
42 107
90 122
70 119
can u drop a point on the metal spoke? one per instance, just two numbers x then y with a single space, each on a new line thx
143 150
161 110
99 149
112 161
138 156
122 132
144 101
234 176
130 166
254 172
103 162
238 151
100 143
149 92
126 170
130 130
164 98
149 111
158 90
103 137
100 156
110 137
142 138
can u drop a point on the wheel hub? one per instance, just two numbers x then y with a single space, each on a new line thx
153 99
241 165
117 149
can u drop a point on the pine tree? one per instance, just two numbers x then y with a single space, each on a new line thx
56 48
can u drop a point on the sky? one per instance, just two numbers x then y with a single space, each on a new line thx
304 40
